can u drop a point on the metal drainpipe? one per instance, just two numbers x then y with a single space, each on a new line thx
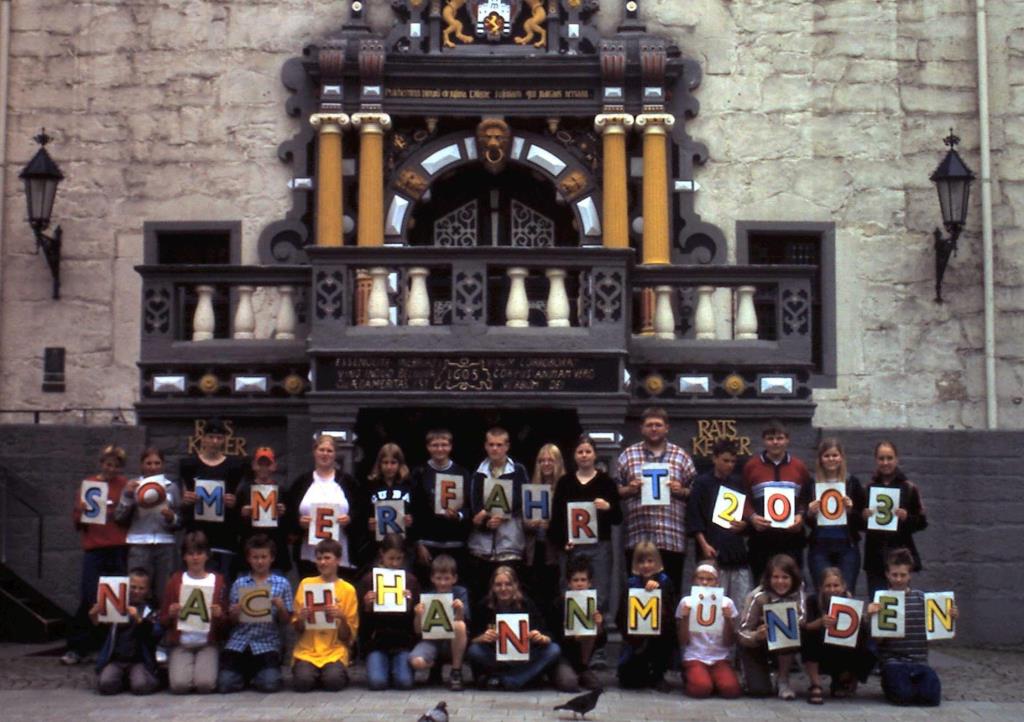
5 69
991 400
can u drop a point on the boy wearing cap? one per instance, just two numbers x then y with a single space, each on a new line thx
212 464
264 464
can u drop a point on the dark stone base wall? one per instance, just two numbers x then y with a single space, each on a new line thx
971 483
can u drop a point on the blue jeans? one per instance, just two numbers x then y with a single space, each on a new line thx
513 675
262 671
379 665
907 683
840 553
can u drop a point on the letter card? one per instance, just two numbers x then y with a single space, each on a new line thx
438 615
513 642
94 496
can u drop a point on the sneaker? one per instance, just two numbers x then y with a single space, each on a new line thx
589 680
786 692
161 655
70 658
455 680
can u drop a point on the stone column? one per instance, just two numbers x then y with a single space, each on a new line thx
612 127
329 210
371 177
656 199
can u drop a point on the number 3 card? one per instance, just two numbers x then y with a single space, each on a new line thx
883 502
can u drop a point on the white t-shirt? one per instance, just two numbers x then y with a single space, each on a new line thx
192 640
324 490
704 646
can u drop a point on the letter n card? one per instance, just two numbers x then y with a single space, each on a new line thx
513 642
939 622
706 612
438 615
783 625
112 596
580 610
848 613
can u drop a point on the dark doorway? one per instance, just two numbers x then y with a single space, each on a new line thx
529 429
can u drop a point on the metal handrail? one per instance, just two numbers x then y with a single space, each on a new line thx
6 478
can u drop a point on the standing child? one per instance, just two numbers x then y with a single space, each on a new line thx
264 464
438 533
253 652
130 649
834 545
911 516
443 578
906 677
775 468
588 483
644 659
193 659
574 670
706 667
321 655
388 481
387 637
541 553
497 539
725 548
104 552
152 520
845 665
779 583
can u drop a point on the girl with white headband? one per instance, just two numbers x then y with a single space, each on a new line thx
706 666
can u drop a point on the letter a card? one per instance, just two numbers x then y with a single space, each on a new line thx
438 615
196 599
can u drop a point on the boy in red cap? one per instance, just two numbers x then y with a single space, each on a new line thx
268 502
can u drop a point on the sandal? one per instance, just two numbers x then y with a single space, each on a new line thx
814 695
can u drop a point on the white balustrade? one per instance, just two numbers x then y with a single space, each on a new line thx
244 325
417 302
664 318
203 321
704 316
285 323
558 299
746 316
517 308
378 308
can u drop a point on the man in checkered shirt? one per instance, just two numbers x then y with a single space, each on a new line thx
662 525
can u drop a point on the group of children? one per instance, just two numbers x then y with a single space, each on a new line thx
486 537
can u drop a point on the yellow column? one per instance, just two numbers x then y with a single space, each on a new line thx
370 225
656 198
329 210
612 127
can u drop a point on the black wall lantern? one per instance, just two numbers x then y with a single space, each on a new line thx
952 179
42 176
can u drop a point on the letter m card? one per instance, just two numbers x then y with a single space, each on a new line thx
209 500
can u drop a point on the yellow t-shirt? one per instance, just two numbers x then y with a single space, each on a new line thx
321 646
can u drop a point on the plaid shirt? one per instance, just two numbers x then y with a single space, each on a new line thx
662 525
260 638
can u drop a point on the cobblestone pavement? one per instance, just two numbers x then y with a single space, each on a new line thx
977 685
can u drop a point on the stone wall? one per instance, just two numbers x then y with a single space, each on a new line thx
832 110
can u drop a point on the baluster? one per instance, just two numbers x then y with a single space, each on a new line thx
203 320
245 320
517 308
746 316
285 323
664 318
558 299
704 316
417 303
378 308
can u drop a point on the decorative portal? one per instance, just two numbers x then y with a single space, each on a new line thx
459 227
531 229
493 137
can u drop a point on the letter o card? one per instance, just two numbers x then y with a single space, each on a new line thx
449 493
390 516
938 615
654 491
728 507
848 613
780 506
581 522
883 503
832 507
890 621
438 616
389 590
536 502
323 523
112 596
706 611
263 500
94 495
255 605
513 642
